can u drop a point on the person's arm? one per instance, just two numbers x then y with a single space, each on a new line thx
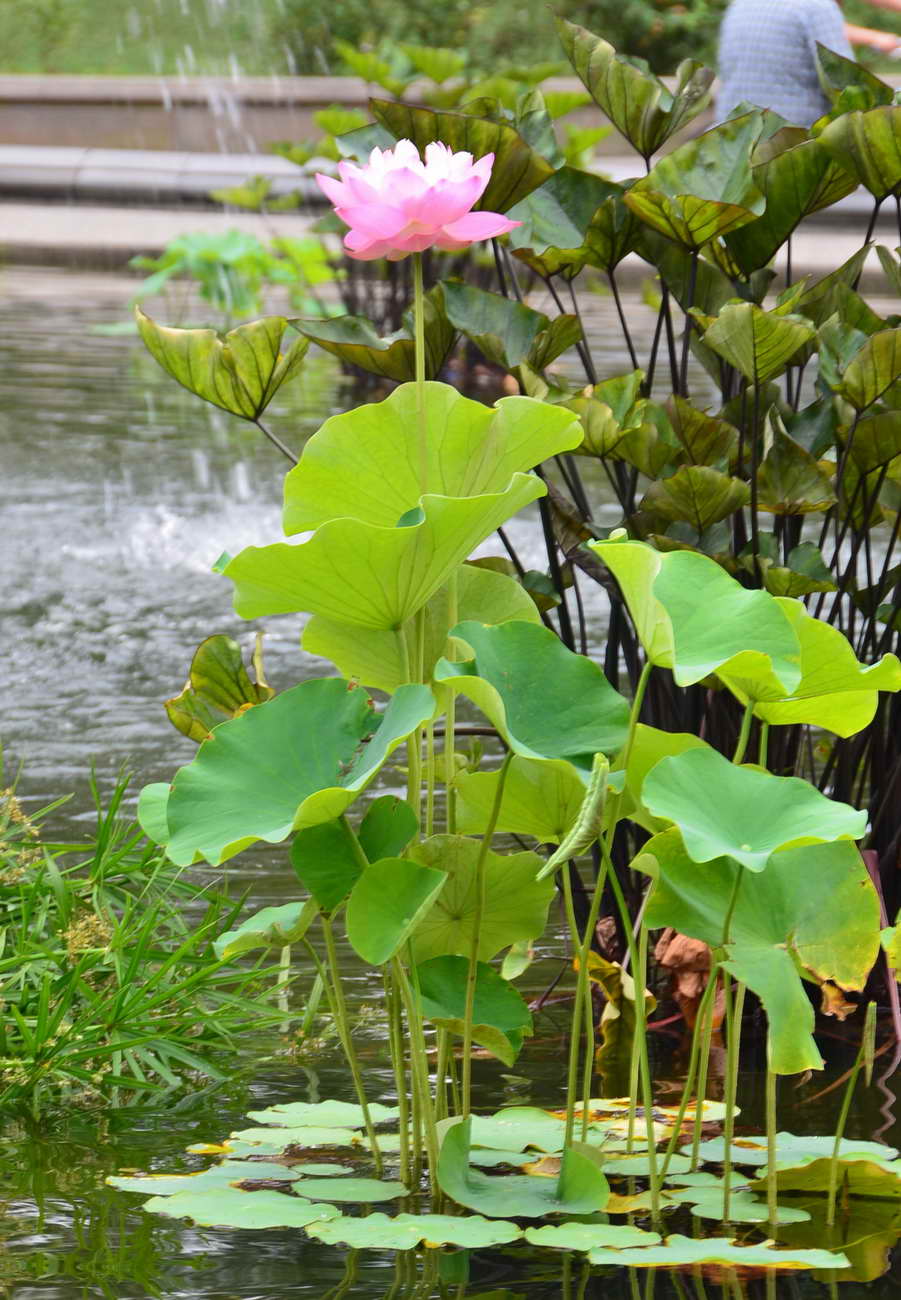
893 5
886 42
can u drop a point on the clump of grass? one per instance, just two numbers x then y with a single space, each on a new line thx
109 985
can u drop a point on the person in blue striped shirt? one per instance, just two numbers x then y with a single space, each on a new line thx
767 54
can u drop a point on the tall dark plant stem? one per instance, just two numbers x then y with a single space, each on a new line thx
277 442
624 324
689 323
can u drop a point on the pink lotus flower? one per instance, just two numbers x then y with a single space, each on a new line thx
397 204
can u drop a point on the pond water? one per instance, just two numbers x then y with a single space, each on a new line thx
119 491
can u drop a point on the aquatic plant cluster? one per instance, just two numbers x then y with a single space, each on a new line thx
709 827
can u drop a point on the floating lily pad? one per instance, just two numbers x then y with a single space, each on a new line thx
864 1231
518 1128
324 1114
229 1207
203 1180
638 1166
875 1181
303 1136
678 1252
591 1236
360 1190
709 1203
406 1231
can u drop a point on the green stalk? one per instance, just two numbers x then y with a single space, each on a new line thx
441 1074
638 958
745 732
733 1048
281 984
865 1055
339 1010
430 778
764 744
312 1006
419 336
419 1066
472 971
771 1183
450 719
703 1067
396 1045
692 1071
575 1033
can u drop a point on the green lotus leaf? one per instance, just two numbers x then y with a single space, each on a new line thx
639 1166
368 575
229 1207
709 1203
863 1178
546 701
703 189
836 691
327 861
869 145
580 1189
555 218
517 1128
716 805
500 1016
239 372
865 1232
294 762
217 688
638 104
873 369
515 905
790 481
361 1190
518 168
387 904
680 1252
388 826
797 177
273 927
590 1236
274 1141
668 596
697 495
508 333
540 798
649 746
791 1150
354 339
378 659
341 1114
406 1231
781 926
760 344
153 802
204 1180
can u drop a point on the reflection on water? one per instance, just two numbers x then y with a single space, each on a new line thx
119 492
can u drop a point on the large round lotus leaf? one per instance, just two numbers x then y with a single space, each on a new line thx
500 1016
709 1203
229 1207
649 746
379 1232
792 1150
366 464
240 371
705 188
812 909
669 597
580 1189
387 904
590 1236
546 701
324 1114
373 575
293 762
362 1190
515 903
303 1136
541 798
836 691
717 807
378 658
516 1128
677 1252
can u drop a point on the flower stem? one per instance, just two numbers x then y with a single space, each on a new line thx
419 345
474 945
734 1010
396 1044
744 733
771 1181
691 1075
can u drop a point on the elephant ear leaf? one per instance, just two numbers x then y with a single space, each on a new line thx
868 144
239 372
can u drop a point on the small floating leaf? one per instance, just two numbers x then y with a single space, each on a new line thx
379 1232
229 1207
324 1114
591 1236
677 1252
361 1190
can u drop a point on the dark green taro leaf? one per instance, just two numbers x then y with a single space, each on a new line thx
705 188
614 232
790 481
355 340
707 439
218 687
518 168
555 220
797 179
501 1018
508 332
638 104
696 494
869 145
240 371
759 344
838 73
873 369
